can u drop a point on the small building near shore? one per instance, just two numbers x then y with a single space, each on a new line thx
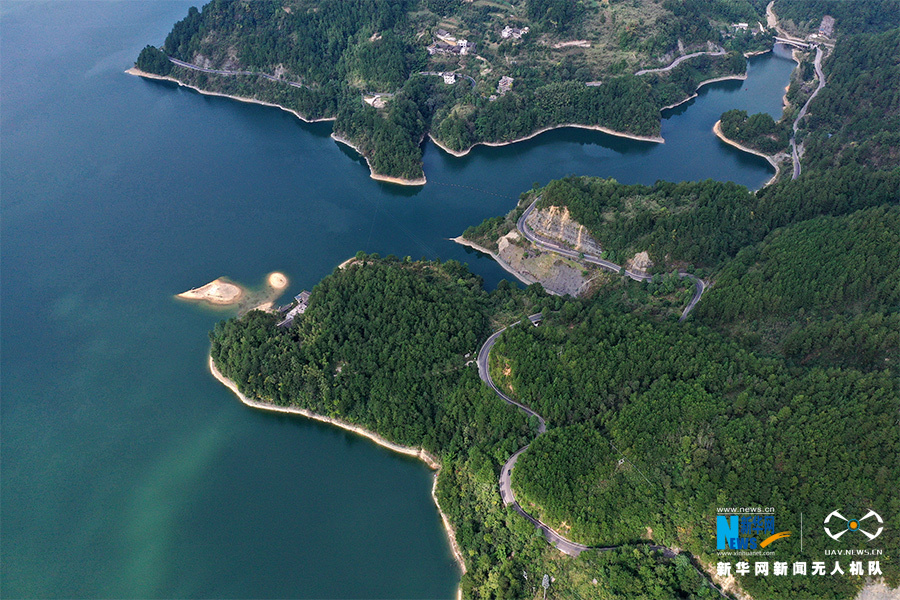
302 300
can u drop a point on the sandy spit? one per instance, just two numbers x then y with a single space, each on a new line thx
419 453
606 130
139 73
218 291
717 129
372 173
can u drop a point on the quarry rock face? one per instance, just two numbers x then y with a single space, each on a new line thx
557 224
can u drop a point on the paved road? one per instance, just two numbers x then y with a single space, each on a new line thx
485 375
193 67
794 152
547 244
678 61
565 545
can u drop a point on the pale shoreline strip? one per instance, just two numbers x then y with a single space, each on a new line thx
139 73
717 129
372 173
641 138
701 84
419 453
506 266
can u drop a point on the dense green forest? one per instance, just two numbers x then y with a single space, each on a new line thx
791 372
702 224
586 468
828 287
855 120
394 366
707 423
388 344
334 52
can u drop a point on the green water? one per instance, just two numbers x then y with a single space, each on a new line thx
127 471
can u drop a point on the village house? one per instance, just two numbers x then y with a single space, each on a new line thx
512 32
505 85
449 78
445 36
827 26
461 47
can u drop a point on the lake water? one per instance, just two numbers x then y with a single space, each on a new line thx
127 471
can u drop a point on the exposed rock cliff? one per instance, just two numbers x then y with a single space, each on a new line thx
557 224
557 274
639 263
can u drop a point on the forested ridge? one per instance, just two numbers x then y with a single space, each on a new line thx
789 373
824 291
340 51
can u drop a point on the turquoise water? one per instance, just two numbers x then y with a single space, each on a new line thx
127 471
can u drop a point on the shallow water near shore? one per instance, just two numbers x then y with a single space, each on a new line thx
127 470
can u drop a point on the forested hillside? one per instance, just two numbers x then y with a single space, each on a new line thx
758 132
825 290
790 371
322 58
855 121
706 423
390 365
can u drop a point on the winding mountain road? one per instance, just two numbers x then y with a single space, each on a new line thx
563 544
678 61
821 76
547 244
